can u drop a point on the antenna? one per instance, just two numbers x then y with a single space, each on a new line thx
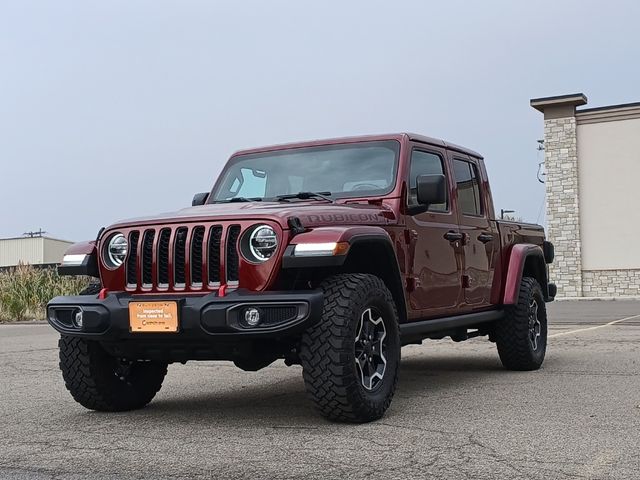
38 233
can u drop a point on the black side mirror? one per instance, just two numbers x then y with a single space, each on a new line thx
430 190
199 199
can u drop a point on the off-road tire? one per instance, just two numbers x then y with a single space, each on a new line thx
95 379
512 333
328 355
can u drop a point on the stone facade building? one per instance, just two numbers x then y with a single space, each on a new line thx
592 163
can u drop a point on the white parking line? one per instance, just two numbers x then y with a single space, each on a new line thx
593 328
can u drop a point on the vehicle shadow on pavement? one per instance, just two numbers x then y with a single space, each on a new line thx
428 375
283 402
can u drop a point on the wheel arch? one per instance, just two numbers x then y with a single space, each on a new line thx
364 248
371 250
80 259
525 260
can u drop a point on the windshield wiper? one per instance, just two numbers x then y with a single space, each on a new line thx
306 196
240 199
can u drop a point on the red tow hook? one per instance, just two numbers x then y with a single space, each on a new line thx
222 291
103 294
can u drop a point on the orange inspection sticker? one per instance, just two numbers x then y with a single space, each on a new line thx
153 317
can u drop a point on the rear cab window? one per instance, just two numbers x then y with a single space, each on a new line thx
468 187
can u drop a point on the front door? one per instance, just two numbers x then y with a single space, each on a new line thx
480 237
434 262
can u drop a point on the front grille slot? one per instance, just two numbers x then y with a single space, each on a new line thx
196 256
184 257
213 264
179 257
147 258
132 260
232 254
163 257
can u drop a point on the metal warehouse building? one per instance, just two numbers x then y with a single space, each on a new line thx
38 251
592 161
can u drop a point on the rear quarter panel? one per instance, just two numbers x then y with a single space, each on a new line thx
511 234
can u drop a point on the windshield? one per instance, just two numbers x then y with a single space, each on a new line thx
345 170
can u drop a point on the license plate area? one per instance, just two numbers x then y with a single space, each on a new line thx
153 317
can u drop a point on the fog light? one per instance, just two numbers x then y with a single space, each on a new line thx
252 316
77 319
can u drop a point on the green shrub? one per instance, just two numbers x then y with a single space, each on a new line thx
25 291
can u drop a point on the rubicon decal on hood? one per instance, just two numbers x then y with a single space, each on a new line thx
331 218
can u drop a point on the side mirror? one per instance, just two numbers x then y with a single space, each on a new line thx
199 199
430 190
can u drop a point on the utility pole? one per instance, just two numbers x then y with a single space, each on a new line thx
503 211
38 233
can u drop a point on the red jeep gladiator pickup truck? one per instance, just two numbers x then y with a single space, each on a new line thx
329 254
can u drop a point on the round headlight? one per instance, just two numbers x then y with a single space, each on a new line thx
116 250
263 243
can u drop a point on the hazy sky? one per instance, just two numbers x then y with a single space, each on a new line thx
114 109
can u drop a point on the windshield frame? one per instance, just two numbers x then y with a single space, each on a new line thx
392 143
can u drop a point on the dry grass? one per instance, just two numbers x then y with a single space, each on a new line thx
25 291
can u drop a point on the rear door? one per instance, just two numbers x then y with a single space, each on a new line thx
480 238
434 262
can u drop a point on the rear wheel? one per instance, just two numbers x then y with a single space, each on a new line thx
350 358
521 336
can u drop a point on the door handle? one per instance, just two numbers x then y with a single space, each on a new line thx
453 236
485 237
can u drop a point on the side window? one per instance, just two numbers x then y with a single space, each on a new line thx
469 199
425 163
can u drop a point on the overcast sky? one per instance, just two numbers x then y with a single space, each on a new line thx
115 109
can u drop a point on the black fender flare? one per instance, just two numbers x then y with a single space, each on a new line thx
357 238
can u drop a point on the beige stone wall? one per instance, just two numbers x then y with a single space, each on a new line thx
563 206
610 283
608 169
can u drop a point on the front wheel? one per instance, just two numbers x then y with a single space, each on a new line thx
101 382
350 358
521 336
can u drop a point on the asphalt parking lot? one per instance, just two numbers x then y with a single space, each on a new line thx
456 414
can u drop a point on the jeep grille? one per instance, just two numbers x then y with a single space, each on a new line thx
182 257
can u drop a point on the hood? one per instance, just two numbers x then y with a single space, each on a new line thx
311 214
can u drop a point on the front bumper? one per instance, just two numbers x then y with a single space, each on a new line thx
200 318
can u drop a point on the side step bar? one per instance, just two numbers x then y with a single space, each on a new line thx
426 327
